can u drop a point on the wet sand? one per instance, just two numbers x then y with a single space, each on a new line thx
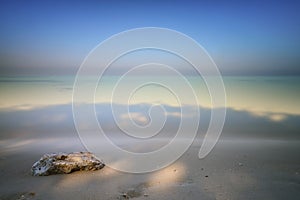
235 169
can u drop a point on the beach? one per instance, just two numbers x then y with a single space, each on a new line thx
235 169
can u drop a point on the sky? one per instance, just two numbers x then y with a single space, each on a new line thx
243 38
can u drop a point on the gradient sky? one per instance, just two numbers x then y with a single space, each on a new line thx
248 38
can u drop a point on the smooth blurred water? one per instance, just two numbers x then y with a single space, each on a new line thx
257 94
257 107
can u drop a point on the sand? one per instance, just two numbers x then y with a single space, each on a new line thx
235 169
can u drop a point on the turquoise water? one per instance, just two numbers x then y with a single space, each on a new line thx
257 94
256 106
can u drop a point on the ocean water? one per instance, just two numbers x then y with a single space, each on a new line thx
256 105
260 94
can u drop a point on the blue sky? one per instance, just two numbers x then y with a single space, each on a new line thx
249 38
